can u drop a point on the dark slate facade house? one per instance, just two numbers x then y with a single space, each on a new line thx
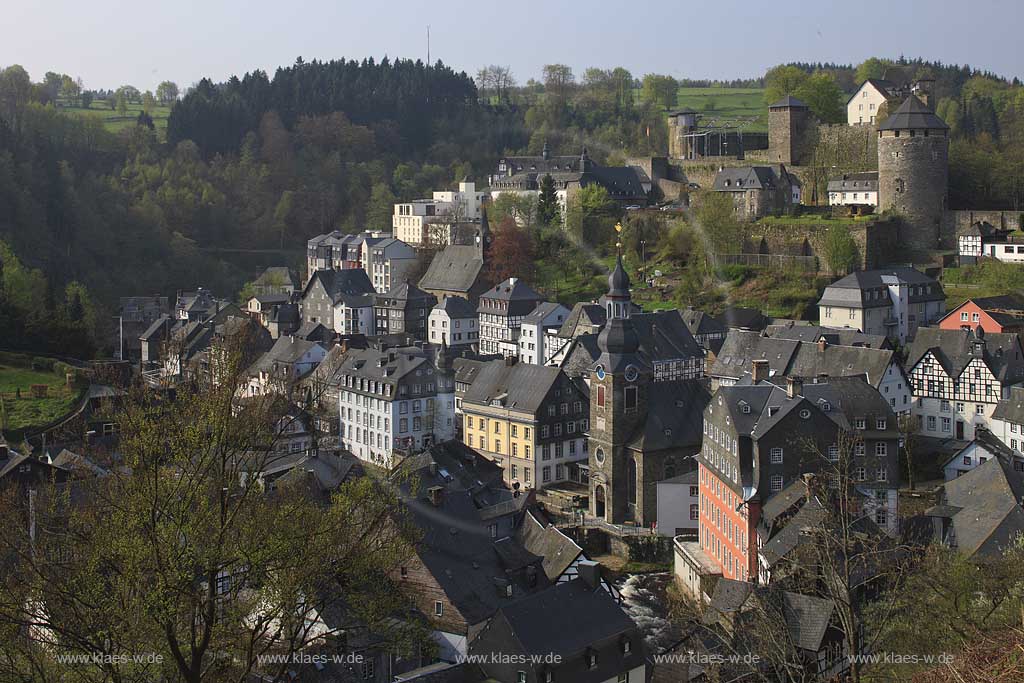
284 320
467 565
837 336
138 314
275 280
706 330
739 318
403 310
758 191
980 513
340 299
574 631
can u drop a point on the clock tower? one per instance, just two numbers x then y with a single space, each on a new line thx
619 383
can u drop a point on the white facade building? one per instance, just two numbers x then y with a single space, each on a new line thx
854 189
389 260
679 505
434 221
863 107
453 322
546 319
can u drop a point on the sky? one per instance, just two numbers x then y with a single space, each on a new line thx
109 43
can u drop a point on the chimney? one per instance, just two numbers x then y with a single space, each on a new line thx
794 387
759 370
590 573
436 494
822 344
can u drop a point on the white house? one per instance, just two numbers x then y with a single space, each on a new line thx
984 239
392 397
546 319
863 106
985 446
453 321
854 189
679 505
289 360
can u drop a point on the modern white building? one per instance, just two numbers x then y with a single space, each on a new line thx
393 398
537 328
434 221
453 322
340 251
390 259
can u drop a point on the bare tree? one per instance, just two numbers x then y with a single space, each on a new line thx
179 554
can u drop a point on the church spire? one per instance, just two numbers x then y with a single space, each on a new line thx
619 299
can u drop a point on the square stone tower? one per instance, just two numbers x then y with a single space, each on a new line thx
789 120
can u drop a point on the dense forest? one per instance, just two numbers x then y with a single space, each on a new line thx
262 163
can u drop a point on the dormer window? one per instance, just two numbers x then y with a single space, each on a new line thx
590 657
626 645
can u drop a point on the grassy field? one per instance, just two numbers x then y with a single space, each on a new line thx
114 121
726 103
28 411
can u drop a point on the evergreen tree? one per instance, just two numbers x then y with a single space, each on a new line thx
548 212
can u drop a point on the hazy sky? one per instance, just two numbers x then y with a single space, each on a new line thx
112 42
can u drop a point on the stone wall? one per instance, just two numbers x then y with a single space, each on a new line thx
913 175
878 242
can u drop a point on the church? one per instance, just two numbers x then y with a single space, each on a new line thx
644 426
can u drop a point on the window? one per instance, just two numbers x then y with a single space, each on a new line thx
881 449
979 409
776 482
526 474
630 398
931 423
860 474
600 395
944 406
694 511
623 678
367 668
833 453
882 474
880 424
881 518
545 474
438 608
520 677
776 456
860 423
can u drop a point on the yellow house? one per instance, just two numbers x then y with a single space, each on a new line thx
530 420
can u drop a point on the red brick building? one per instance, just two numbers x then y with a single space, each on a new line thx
992 314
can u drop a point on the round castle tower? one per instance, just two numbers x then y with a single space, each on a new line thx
913 171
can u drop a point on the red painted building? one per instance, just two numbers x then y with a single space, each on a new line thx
993 314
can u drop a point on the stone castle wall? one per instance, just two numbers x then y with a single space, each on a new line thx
956 222
878 242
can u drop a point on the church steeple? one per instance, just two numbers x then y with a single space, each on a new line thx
618 300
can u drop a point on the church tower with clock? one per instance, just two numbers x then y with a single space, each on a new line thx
619 384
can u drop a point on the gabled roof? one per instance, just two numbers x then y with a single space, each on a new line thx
674 417
456 307
521 386
984 506
807 617
454 269
542 311
913 114
842 336
954 350
742 178
849 291
350 286
403 292
589 317
567 619
735 317
519 297
1011 408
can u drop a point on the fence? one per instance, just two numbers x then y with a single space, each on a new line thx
806 263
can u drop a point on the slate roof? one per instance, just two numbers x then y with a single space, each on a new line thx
742 347
455 544
542 311
699 322
863 182
789 101
807 617
280 273
1003 303
454 269
785 540
583 318
743 178
913 114
351 286
567 619
984 507
519 297
403 292
522 386
735 317
843 336
1002 353
456 307
674 419
1011 408
272 299
849 291
390 365
159 327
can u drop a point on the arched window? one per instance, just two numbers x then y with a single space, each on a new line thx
600 395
